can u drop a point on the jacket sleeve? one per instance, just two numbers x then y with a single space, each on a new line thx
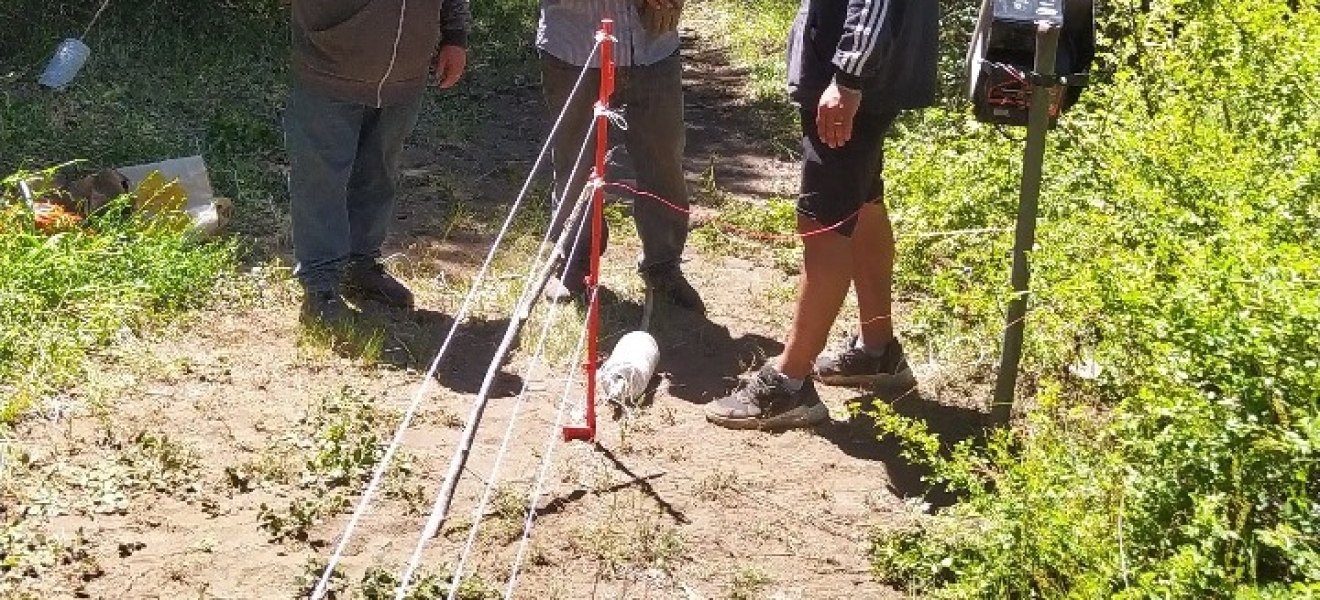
455 21
866 40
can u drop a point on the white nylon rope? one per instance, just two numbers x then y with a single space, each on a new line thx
414 561
551 442
379 473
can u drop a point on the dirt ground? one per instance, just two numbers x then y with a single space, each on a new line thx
219 458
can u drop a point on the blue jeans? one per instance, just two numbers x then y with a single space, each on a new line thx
343 178
652 100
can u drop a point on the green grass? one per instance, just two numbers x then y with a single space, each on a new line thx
64 294
754 34
760 231
153 89
169 79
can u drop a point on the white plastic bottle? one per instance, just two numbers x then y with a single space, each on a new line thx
626 374
64 65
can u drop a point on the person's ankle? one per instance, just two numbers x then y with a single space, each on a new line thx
792 378
874 347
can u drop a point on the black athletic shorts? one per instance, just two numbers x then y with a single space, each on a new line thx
836 182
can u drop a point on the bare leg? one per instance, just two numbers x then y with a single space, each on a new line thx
873 274
824 285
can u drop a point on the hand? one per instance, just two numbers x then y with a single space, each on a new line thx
449 63
835 113
660 16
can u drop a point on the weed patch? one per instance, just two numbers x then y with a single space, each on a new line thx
632 536
341 441
379 584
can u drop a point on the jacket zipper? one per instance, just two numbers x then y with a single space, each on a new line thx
394 55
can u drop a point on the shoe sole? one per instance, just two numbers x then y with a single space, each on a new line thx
798 418
904 378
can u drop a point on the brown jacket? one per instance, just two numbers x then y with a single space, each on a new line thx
375 52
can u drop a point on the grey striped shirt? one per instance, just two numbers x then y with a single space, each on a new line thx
567 31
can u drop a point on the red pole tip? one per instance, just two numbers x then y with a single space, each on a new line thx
584 434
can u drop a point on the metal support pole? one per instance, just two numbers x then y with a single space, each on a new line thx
1033 157
588 432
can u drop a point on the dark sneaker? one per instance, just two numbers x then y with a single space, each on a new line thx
325 309
668 283
764 402
572 287
856 366
372 281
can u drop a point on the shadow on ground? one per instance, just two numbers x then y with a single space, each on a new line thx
858 437
699 359
412 339
642 482
734 140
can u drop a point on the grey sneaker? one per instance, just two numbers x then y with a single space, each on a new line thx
855 366
668 283
325 309
371 280
764 402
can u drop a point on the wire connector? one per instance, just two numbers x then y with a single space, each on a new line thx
614 116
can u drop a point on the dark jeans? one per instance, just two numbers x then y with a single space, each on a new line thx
343 176
651 98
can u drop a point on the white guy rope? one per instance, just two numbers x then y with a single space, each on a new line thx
552 441
615 117
439 510
394 56
96 16
379 473
480 512
492 479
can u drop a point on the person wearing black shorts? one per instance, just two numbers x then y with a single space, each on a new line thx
854 65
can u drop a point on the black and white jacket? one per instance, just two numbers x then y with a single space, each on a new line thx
888 49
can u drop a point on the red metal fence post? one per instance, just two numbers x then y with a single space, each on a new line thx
597 215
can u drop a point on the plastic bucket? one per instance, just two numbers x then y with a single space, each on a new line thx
64 66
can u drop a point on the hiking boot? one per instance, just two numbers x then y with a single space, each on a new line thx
325 308
765 402
855 366
371 280
668 283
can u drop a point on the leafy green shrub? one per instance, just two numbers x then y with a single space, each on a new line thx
1177 247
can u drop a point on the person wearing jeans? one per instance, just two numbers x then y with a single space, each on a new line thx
853 66
359 69
649 89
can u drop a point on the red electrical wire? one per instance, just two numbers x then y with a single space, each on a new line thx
725 225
